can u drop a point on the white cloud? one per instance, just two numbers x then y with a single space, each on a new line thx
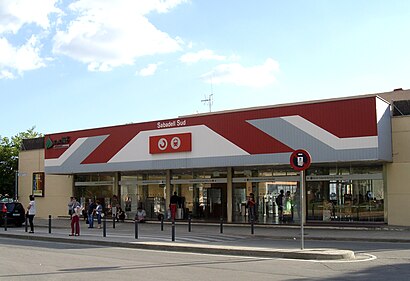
108 34
20 59
149 70
201 55
5 74
15 13
234 73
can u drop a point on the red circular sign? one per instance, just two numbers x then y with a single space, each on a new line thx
300 160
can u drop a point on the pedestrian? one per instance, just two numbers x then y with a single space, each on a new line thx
31 212
140 215
90 213
120 215
70 206
75 220
173 205
114 206
280 201
252 207
99 213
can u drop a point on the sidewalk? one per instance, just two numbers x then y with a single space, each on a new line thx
279 241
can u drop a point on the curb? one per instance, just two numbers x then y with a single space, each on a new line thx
311 254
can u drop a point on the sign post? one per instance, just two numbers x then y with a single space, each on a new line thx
300 160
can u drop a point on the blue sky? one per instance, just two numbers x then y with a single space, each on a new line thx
71 65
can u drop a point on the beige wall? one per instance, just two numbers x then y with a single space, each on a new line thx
57 188
398 173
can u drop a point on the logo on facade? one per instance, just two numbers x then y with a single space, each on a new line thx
175 143
162 144
63 142
170 143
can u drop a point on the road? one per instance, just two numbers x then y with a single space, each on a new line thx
41 260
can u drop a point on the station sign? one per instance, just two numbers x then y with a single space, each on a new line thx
170 143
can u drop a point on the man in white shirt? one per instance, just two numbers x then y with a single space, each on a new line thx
31 212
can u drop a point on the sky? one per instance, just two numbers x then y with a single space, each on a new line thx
69 65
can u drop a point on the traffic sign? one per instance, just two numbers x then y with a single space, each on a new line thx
300 160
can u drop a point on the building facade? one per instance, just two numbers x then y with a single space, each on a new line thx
214 161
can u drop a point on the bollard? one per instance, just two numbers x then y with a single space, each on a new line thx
222 225
49 223
136 229
104 226
26 224
189 223
113 221
162 223
252 227
5 221
173 231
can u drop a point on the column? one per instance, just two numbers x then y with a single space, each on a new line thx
229 194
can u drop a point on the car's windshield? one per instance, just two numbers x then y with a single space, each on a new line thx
10 206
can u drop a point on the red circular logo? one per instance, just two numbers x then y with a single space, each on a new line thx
300 160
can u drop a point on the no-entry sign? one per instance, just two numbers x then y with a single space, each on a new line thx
300 160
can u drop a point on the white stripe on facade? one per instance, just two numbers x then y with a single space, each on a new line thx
205 143
328 138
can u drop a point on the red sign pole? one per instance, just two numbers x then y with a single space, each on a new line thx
302 211
300 160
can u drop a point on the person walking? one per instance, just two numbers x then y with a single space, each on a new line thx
75 220
31 212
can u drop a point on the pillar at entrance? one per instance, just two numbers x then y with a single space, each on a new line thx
229 195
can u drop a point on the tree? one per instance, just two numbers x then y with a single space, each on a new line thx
9 152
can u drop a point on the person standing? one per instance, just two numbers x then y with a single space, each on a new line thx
70 206
98 212
90 213
31 212
252 207
75 220
173 205
280 201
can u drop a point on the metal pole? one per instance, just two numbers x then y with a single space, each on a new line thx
5 221
252 227
104 226
136 229
113 221
222 225
49 223
189 223
26 224
16 186
173 231
162 223
302 211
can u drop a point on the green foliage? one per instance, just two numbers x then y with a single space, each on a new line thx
9 152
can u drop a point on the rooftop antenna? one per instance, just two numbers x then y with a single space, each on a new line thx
209 99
